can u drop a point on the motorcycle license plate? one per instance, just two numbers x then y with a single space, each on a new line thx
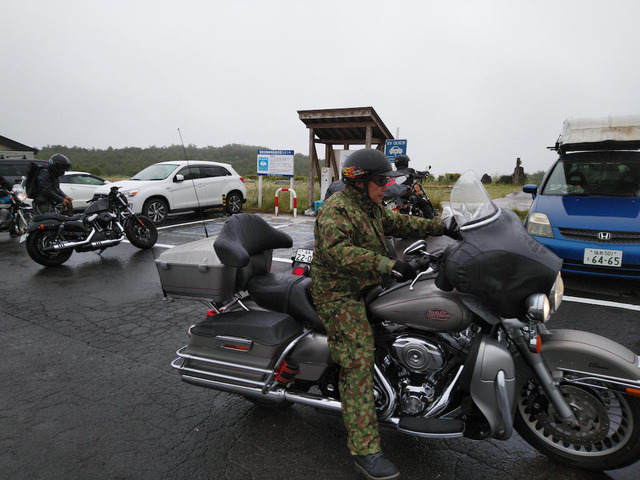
606 258
303 255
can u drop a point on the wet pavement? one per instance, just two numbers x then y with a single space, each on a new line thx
86 390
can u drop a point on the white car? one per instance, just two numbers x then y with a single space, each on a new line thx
81 186
182 185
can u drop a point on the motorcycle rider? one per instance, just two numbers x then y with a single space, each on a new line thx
403 168
49 192
351 257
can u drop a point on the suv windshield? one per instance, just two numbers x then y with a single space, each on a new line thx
601 174
159 171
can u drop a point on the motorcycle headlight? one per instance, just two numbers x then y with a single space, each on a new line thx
538 307
21 196
556 293
538 224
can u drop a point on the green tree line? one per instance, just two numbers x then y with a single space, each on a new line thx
125 162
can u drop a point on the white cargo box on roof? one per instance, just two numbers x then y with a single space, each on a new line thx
601 133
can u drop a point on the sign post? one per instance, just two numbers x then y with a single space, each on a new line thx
274 163
395 148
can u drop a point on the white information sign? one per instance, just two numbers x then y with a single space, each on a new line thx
275 163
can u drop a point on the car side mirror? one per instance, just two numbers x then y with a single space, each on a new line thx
178 178
532 189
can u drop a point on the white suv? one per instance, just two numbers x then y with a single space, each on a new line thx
167 187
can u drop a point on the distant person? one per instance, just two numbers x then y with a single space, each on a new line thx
336 186
402 166
49 193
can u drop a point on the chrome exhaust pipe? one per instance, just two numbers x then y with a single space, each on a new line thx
82 243
279 395
65 245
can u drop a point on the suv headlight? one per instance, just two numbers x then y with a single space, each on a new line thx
539 225
130 193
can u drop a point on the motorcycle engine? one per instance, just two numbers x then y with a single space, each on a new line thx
417 354
420 359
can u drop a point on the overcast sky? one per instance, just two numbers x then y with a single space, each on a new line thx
469 84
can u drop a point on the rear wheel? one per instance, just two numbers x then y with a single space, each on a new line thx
156 209
606 437
41 239
234 203
141 232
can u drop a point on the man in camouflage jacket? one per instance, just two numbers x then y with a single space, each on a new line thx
350 256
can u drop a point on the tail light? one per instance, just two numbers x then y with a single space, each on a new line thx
302 270
242 179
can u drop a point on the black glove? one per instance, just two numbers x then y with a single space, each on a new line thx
452 230
404 271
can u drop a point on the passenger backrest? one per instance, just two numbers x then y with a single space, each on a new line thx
247 242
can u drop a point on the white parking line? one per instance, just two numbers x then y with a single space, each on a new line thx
603 303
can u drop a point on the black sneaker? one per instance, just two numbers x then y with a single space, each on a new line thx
376 467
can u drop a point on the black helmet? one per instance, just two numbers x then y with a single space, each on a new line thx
363 164
402 161
60 164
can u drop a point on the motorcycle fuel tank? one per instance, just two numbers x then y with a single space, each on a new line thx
426 307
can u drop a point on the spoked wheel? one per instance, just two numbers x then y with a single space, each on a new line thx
606 437
141 232
41 239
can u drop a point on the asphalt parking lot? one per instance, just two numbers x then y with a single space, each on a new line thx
87 391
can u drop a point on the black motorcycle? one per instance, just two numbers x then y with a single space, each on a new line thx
410 198
52 237
15 213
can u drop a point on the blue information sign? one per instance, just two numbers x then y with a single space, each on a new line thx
395 148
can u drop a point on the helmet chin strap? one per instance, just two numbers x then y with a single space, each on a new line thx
364 189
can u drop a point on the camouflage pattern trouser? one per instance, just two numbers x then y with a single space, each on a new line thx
351 343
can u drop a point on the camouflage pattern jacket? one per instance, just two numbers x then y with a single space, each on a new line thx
350 250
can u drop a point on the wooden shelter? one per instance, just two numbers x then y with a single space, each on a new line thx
343 127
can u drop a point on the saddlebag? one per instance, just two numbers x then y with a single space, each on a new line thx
238 347
194 270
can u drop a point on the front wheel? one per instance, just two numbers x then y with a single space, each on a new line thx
41 239
141 232
20 222
606 437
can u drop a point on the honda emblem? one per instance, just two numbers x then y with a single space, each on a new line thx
606 236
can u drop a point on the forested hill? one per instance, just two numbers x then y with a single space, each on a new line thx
125 162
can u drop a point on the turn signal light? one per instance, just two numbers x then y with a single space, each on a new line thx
633 391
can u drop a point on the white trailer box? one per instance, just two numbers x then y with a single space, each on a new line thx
601 133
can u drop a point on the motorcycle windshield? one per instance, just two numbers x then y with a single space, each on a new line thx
470 202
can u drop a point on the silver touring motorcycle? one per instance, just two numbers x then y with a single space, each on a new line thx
461 351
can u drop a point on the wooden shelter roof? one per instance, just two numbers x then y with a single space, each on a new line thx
346 126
